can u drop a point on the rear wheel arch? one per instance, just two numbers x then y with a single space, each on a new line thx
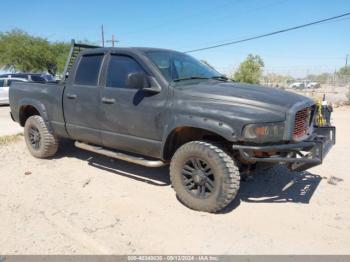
27 110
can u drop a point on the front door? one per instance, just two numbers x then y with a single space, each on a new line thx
131 119
82 99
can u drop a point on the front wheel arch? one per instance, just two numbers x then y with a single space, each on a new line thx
184 134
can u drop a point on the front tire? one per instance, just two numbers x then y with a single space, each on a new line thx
204 176
40 141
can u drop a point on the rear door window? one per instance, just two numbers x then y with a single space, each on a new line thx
88 70
2 83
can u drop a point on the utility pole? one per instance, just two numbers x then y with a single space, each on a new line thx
103 36
113 41
346 60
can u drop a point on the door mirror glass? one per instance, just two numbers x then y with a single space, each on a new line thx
136 80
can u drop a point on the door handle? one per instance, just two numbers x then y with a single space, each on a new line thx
71 96
106 100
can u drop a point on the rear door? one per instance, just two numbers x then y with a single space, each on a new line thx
81 99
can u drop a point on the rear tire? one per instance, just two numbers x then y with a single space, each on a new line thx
204 176
40 141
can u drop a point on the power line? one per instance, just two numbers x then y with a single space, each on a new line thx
248 36
268 34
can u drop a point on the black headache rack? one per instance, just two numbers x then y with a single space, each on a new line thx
301 156
75 49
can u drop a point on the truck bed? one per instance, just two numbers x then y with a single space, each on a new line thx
50 106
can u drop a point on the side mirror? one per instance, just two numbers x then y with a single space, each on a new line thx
137 80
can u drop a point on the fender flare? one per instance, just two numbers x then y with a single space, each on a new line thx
220 128
40 107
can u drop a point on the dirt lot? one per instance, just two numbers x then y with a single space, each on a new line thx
7 126
83 203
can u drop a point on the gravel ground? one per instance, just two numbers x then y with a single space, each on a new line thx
83 203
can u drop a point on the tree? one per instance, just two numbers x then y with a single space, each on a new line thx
59 52
344 71
20 51
343 76
250 70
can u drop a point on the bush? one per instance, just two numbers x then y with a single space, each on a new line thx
250 70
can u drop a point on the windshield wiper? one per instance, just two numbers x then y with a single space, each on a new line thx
189 78
224 78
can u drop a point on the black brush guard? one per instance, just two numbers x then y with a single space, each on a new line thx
300 156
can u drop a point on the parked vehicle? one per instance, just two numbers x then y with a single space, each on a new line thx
297 85
154 107
313 85
33 77
5 83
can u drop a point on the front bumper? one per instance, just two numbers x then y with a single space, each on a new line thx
300 156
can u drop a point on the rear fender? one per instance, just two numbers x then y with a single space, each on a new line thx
40 107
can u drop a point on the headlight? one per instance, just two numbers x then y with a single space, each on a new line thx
264 132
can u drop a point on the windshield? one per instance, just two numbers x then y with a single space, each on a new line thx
176 66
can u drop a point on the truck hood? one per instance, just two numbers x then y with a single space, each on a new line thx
238 93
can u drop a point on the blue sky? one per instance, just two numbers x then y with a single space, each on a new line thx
184 25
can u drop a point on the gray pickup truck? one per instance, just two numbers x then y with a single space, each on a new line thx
154 106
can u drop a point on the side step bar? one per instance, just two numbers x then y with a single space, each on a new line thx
121 156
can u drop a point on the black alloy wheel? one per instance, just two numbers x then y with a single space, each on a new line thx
198 177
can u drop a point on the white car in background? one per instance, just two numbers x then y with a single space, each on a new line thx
5 84
297 85
313 85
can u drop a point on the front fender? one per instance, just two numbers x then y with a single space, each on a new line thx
220 128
